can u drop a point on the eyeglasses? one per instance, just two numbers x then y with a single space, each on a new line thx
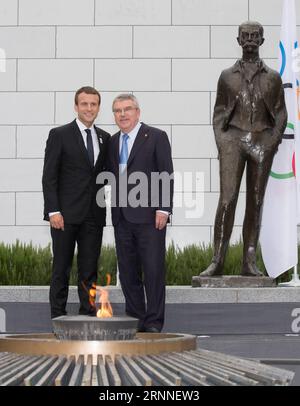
128 109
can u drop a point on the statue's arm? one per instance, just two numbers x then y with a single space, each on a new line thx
220 105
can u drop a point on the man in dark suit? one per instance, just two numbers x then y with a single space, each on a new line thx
75 153
140 211
249 120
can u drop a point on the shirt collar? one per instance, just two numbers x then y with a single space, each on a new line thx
238 66
83 127
133 133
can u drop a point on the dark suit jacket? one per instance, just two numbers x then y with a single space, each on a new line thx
150 153
271 89
69 180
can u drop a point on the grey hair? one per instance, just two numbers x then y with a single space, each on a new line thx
126 96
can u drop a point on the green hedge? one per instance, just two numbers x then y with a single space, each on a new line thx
22 264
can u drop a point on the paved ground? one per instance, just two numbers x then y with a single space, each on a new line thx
233 318
282 351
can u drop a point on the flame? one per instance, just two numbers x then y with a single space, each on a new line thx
105 309
92 295
105 306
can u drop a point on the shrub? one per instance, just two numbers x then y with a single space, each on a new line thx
22 264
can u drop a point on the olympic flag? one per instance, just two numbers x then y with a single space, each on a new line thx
278 237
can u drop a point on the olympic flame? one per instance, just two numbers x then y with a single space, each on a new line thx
105 309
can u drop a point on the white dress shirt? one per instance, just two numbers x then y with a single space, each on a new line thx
132 136
96 147
82 129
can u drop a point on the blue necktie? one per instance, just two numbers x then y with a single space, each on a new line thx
89 145
124 150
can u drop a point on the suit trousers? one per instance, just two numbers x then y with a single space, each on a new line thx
141 261
88 236
239 149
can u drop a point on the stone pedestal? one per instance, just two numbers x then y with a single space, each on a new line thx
94 328
233 281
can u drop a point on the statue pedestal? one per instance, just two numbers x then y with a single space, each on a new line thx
233 281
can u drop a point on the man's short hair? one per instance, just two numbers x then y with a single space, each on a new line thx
252 24
126 96
87 90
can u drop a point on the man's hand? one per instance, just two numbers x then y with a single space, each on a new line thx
57 221
161 220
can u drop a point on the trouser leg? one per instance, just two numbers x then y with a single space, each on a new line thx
232 163
258 169
130 272
151 246
63 245
89 239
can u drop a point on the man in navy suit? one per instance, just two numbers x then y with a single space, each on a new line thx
141 211
75 154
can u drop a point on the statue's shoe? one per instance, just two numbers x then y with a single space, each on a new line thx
250 270
214 269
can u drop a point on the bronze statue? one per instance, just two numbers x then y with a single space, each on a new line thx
249 120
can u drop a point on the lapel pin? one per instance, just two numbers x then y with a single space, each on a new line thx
100 139
146 135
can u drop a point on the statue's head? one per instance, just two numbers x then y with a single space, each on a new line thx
251 36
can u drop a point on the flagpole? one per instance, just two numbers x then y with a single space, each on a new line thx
294 282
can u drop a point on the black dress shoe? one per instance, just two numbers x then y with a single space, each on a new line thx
214 269
152 330
250 269
54 316
91 314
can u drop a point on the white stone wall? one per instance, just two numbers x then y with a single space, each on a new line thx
168 52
